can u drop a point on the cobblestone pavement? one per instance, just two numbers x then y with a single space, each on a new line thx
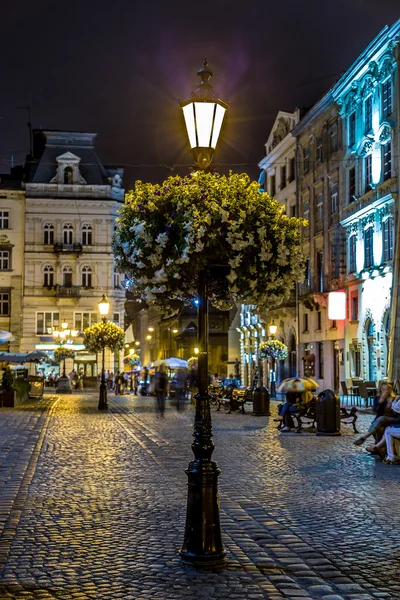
92 505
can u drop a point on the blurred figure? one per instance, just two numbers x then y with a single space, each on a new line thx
117 383
160 387
111 381
135 383
180 389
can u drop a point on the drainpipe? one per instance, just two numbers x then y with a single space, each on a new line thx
297 171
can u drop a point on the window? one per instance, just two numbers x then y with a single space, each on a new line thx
353 253
117 282
352 129
306 212
291 169
4 304
86 277
320 271
86 235
68 175
387 234
48 234
46 322
319 320
4 219
369 247
306 159
352 184
333 324
319 209
116 318
5 260
368 172
321 360
67 233
334 198
305 322
354 306
283 177
82 320
333 139
387 161
273 185
307 278
368 114
292 210
318 149
67 276
48 276
386 98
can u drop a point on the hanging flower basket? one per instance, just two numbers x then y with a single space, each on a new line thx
273 349
62 353
220 225
103 335
133 360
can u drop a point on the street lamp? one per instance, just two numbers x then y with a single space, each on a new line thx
204 114
64 336
104 307
202 545
272 331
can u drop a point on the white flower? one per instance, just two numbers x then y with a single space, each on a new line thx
140 265
232 276
160 275
162 239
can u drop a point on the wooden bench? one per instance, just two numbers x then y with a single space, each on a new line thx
308 416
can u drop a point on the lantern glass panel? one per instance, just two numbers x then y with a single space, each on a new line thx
188 113
204 122
219 117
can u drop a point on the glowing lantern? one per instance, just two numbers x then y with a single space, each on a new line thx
204 114
337 306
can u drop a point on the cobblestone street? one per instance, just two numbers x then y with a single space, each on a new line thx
92 505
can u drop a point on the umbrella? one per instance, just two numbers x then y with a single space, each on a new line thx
5 336
37 356
176 363
12 358
297 384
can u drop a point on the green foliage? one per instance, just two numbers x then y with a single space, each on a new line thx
273 349
103 335
22 388
7 381
221 225
61 353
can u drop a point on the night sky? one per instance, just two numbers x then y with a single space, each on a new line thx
118 69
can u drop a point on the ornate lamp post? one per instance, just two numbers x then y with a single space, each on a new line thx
202 545
104 307
272 331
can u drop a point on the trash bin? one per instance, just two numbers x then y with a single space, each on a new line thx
261 399
328 413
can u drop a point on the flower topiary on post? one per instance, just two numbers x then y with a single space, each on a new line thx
62 353
222 226
133 360
193 362
103 335
273 349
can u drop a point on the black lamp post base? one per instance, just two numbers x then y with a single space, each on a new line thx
103 404
202 546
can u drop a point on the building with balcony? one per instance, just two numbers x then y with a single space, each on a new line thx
72 202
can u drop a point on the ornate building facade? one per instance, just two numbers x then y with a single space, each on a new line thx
72 202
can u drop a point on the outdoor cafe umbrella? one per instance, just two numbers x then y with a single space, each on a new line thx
5 336
37 356
298 384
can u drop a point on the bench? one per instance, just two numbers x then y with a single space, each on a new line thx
308 416
235 401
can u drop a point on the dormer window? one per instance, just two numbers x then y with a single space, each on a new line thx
68 170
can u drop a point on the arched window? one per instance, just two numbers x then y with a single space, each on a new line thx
387 235
67 233
86 277
48 234
86 234
48 276
67 276
68 175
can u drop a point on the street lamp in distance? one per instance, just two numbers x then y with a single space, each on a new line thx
272 331
104 308
202 546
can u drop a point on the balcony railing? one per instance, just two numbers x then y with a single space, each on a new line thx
68 292
67 247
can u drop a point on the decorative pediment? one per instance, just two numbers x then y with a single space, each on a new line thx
368 220
367 86
365 147
386 66
349 104
68 172
384 134
352 229
281 130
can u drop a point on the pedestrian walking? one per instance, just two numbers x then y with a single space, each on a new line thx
161 385
117 383
111 381
135 383
180 389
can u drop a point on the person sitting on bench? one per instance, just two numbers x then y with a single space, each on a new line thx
290 406
385 415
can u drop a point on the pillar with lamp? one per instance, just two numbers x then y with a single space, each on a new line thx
272 328
65 337
202 546
104 309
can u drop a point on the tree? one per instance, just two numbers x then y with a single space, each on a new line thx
103 335
217 225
